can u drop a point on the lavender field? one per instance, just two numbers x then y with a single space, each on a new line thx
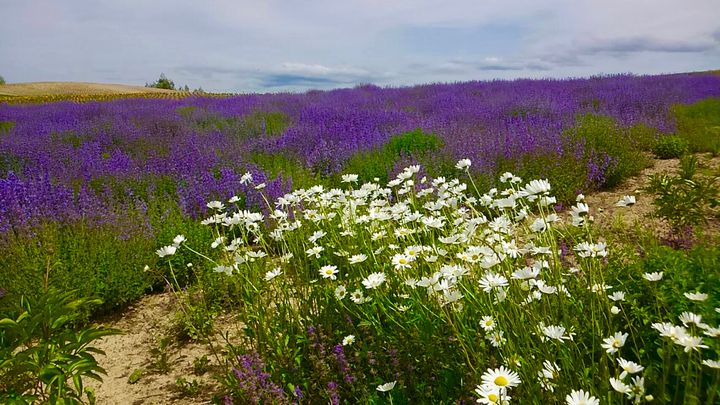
92 193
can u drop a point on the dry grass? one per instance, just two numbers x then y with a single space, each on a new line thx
73 88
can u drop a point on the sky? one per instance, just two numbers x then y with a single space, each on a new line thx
297 45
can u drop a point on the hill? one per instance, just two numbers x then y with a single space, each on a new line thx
69 88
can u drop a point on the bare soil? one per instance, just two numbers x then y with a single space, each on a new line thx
144 325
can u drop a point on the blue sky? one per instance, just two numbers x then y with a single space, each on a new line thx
296 45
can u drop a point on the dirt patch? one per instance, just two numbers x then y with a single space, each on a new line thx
144 325
607 214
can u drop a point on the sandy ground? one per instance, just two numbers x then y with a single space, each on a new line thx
146 322
57 88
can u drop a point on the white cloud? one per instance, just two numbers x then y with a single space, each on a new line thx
249 45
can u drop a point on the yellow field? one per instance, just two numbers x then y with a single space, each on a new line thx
40 92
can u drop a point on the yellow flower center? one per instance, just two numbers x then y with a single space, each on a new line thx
402 261
617 343
501 381
493 397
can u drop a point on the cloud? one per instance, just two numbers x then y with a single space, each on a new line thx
279 45
646 44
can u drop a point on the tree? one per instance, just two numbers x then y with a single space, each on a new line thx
2 80
162 83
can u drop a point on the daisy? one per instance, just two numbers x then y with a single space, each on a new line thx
463 164
166 251
401 261
691 343
487 323
178 240
581 398
669 330
613 343
501 378
554 332
620 386
273 273
654 276
329 271
349 178
386 387
215 205
689 317
354 259
626 201
549 372
316 235
492 281
629 367
712 363
374 280
340 292
246 178
537 187
697 296
712 332
496 338
314 251
491 395
617 296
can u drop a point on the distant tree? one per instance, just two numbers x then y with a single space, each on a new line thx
162 83
2 80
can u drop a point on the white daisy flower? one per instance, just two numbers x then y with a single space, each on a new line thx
613 343
581 398
654 276
166 251
355 259
374 280
349 178
329 271
273 273
463 164
340 292
501 378
348 340
629 367
386 387
696 296
626 201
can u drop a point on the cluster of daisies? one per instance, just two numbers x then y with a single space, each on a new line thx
433 240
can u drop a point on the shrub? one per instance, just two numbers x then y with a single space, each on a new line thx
699 124
379 162
684 200
162 83
44 356
610 153
670 147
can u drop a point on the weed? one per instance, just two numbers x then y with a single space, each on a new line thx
670 147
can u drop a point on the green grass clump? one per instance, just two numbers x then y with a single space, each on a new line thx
699 124
603 139
253 125
379 162
670 147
